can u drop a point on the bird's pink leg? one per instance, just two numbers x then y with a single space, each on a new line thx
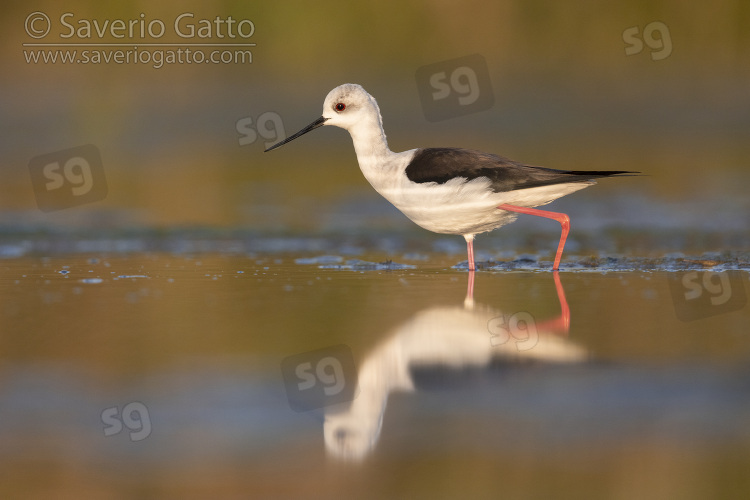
469 301
470 251
563 219
470 286
561 324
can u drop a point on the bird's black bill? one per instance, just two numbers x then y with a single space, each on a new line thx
317 123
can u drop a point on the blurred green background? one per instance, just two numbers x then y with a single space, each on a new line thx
566 95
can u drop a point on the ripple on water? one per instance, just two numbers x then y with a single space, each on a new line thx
91 281
320 260
669 263
337 262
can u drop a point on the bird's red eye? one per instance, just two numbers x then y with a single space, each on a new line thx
340 106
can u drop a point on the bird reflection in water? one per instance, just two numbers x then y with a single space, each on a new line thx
453 337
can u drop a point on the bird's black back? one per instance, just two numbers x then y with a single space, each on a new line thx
443 164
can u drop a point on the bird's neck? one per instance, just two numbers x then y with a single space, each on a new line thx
370 143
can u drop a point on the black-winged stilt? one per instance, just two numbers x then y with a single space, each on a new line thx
448 190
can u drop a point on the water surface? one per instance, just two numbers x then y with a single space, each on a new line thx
485 397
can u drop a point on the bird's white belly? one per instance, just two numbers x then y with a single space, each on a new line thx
455 207
461 207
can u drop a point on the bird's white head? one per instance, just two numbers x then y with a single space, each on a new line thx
347 106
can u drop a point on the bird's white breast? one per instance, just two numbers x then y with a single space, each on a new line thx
458 206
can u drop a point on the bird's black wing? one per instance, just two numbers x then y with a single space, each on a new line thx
443 164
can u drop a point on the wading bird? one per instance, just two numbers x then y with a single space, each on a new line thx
448 190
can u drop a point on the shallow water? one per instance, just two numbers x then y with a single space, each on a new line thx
181 372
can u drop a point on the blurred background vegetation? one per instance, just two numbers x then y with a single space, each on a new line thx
566 96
